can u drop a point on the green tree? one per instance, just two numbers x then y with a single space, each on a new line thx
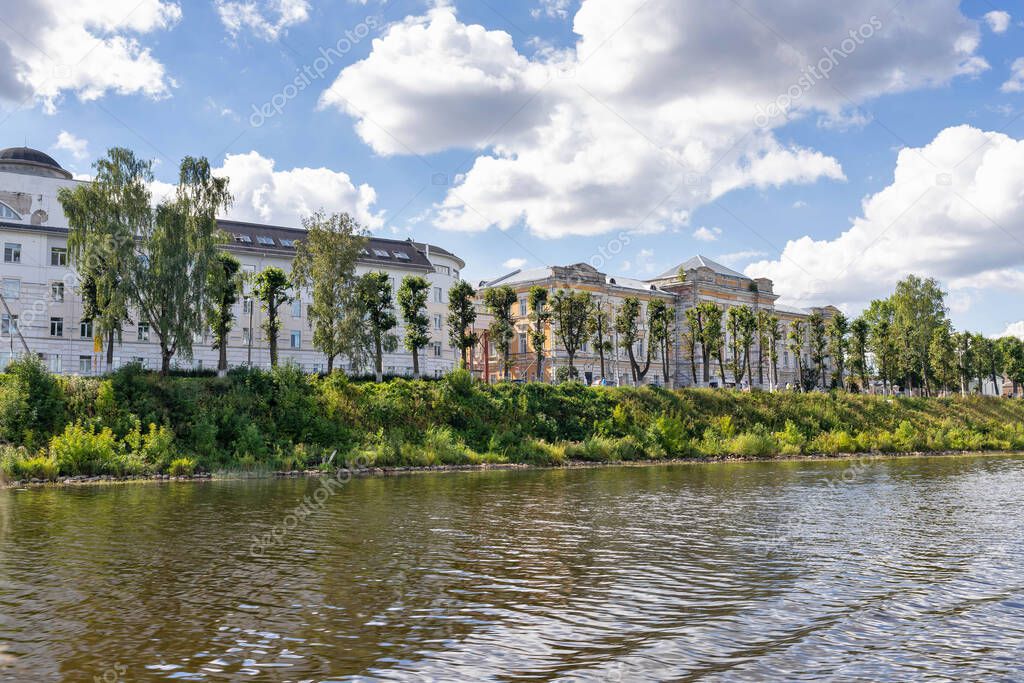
412 302
461 316
540 314
692 338
919 308
742 325
944 358
225 283
660 323
176 251
104 217
270 288
817 342
627 324
1011 351
713 335
374 294
599 327
499 301
988 359
797 341
838 330
963 344
859 331
882 341
325 264
571 312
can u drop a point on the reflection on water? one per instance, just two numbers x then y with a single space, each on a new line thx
788 571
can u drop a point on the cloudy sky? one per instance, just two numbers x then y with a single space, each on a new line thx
833 147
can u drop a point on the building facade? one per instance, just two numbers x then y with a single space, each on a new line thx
683 287
41 308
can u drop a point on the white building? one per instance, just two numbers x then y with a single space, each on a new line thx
41 310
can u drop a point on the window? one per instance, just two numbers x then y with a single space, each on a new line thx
247 305
296 339
12 252
7 213
58 256
143 331
438 295
401 255
57 291
85 329
8 324
522 342
5 359
456 275
296 309
444 270
437 349
381 253
438 322
140 361
53 362
12 288
287 243
522 306
85 364
246 335
243 239
265 241
56 327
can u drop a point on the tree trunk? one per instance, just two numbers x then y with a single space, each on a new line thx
378 350
330 364
110 350
165 360
416 363
222 360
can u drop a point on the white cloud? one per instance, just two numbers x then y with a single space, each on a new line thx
961 225
256 16
1016 81
706 235
618 132
264 194
78 147
555 9
514 263
799 204
998 21
88 47
1013 330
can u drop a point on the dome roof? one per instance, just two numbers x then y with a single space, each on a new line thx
28 157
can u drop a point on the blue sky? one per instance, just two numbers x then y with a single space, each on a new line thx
555 131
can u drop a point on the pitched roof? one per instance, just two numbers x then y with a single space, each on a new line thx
702 262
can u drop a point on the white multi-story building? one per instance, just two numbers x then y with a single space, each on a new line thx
41 309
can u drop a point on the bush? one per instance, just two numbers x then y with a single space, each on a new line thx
755 443
82 450
182 467
16 463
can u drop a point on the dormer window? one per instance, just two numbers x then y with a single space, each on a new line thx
8 214
244 239
265 241
382 253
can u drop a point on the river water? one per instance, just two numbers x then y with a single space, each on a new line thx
840 570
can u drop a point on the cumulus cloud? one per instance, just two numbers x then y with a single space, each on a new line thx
998 21
89 47
68 142
706 234
1016 81
1013 330
514 263
555 9
266 19
954 211
618 132
265 194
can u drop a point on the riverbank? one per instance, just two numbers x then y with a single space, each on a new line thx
134 423
441 469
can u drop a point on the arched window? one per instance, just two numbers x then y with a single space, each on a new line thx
8 214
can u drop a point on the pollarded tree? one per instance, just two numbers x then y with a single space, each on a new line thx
838 330
691 338
325 264
713 336
817 342
373 292
499 302
270 288
797 342
763 324
540 314
859 331
742 326
660 323
104 217
412 302
599 327
461 316
225 283
627 324
571 313
175 252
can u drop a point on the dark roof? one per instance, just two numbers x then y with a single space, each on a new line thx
378 250
28 154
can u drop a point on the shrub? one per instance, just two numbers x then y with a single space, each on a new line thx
41 413
755 443
180 467
628 448
82 450
672 434
16 463
594 449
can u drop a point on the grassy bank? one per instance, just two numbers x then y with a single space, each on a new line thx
134 422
